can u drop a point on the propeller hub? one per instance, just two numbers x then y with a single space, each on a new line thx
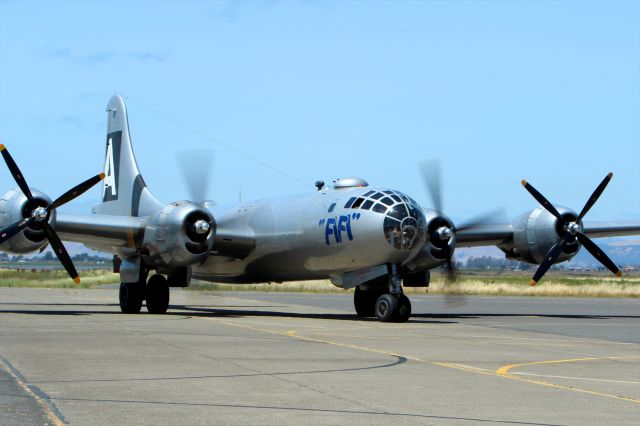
40 214
444 233
574 228
201 227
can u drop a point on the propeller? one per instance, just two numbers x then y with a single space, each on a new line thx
431 172
572 231
431 177
41 214
196 165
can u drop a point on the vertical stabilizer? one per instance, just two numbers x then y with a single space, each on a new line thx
124 192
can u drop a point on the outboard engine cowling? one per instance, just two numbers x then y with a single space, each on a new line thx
535 232
14 206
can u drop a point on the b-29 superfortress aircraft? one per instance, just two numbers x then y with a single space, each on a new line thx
373 239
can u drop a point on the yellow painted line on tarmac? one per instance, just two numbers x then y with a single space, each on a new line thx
589 379
55 420
505 369
502 372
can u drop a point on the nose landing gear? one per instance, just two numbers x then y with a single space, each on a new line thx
383 298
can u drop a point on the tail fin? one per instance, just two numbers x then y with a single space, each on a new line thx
124 192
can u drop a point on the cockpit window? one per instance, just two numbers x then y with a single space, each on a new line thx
404 225
388 201
349 203
377 195
357 203
379 208
368 193
367 205
399 212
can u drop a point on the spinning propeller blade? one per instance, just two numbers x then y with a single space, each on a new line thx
196 166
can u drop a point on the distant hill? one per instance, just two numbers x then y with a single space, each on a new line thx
75 249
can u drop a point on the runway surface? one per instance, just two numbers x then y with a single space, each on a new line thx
70 356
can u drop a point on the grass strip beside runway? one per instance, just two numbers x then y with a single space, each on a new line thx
556 284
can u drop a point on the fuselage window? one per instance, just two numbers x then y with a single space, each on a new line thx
350 202
379 208
388 201
367 205
377 195
357 203
331 207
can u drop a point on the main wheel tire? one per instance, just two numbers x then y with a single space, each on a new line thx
386 308
131 295
157 294
404 309
365 302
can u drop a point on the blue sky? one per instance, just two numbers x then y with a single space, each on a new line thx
499 91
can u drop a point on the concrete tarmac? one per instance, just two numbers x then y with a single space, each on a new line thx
70 356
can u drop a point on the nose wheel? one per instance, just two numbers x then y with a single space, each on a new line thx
385 301
393 308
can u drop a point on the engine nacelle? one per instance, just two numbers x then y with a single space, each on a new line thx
534 234
181 234
439 244
14 206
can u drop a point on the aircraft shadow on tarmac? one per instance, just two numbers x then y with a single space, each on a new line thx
62 309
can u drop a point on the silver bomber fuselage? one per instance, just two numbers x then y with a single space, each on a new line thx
295 238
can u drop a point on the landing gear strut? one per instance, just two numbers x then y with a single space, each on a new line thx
383 298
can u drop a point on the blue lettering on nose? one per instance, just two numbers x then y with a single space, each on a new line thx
331 229
344 224
336 226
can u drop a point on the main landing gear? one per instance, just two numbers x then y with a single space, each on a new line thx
383 298
155 292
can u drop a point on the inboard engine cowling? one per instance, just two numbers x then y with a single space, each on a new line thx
181 234
439 244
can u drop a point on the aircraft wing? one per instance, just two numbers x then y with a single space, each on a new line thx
101 231
122 234
484 235
493 235
612 230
